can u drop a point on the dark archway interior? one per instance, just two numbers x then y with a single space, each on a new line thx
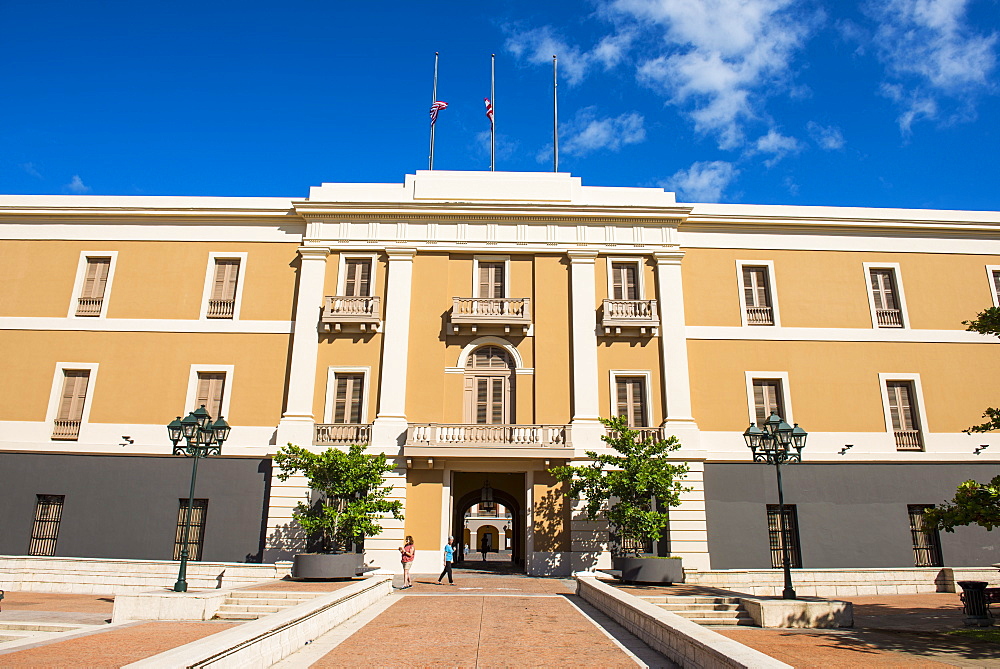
466 502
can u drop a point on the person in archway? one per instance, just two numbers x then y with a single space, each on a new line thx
408 552
449 558
484 546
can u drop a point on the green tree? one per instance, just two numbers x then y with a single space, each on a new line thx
353 494
634 488
974 503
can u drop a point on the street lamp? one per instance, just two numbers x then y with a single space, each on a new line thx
202 438
778 443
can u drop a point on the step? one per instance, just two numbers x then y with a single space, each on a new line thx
276 594
237 615
728 622
230 608
679 599
700 607
711 614
37 627
251 601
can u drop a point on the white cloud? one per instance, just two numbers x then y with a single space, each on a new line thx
829 138
587 133
540 44
703 182
32 170
721 57
930 52
505 147
76 185
776 144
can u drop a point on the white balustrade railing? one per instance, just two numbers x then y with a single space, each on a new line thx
909 440
889 318
65 429
440 434
760 316
630 310
502 309
646 433
221 309
342 434
342 307
89 306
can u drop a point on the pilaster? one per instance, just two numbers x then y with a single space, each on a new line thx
673 342
586 426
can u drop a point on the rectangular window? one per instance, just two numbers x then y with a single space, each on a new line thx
348 397
222 302
95 282
45 531
631 399
624 281
784 532
491 396
491 279
885 295
995 275
926 545
767 399
757 296
903 414
357 277
196 533
210 393
66 425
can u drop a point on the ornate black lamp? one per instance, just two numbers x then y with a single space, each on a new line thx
775 444
486 502
202 438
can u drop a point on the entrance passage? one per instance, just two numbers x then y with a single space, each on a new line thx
488 526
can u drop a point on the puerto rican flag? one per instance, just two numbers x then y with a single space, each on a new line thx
489 110
435 108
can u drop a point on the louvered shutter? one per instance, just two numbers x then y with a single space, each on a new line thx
211 388
357 281
755 288
491 279
767 399
227 272
996 284
347 401
901 409
74 394
632 400
96 278
624 281
884 289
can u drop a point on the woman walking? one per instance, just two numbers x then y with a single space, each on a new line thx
408 552
449 558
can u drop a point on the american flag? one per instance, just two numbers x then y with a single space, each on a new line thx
489 110
435 108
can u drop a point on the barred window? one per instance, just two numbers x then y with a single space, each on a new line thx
784 532
45 531
196 533
926 545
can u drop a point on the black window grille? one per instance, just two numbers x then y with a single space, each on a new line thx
926 545
45 531
196 534
784 533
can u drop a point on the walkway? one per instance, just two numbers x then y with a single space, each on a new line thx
482 621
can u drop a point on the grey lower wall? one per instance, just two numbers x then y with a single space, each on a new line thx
849 515
126 507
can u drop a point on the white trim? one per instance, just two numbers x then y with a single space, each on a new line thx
786 395
918 398
488 258
55 394
342 270
192 389
898 280
81 273
722 333
640 284
772 290
210 280
331 390
463 357
645 374
143 325
993 291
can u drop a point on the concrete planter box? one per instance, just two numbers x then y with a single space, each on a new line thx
328 565
651 570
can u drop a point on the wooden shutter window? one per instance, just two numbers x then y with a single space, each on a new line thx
631 392
755 287
95 280
884 289
624 281
74 395
901 409
490 386
211 390
767 399
227 271
347 401
357 277
996 284
491 279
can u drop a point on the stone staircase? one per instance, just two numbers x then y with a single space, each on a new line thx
250 605
705 610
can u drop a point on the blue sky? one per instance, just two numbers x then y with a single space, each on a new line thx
891 103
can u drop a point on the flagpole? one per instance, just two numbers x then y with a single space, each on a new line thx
434 97
493 101
555 115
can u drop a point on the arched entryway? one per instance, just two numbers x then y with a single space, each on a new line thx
504 533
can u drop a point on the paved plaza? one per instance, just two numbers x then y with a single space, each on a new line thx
491 620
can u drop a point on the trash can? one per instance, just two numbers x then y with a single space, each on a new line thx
974 603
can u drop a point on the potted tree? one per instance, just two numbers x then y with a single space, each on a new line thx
351 496
633 488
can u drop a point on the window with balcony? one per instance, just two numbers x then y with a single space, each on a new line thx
886 298
492 279
784 531
357 277
196 528
491 307
489 387
354 306
904 414
72 401
347 398
211 392
624 281
768 398
757 299
90 302
222 301
926 544
631 399
45 530
625 312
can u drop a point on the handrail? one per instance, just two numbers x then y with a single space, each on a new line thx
503 309
631 310
444 434
342 434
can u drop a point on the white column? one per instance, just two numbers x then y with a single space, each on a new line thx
390 423
586 426
297 423
673 340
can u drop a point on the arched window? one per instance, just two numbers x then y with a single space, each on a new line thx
489 387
